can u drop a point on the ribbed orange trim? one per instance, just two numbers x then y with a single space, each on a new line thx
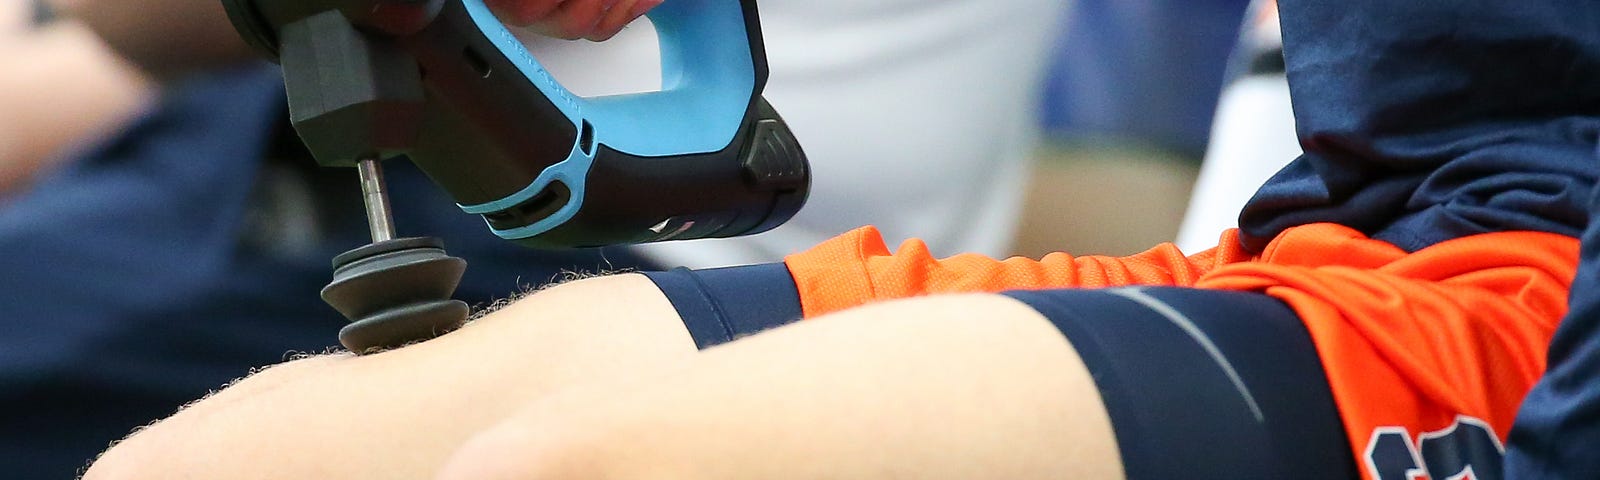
857 268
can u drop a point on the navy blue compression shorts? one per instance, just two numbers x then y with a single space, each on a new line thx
1198 383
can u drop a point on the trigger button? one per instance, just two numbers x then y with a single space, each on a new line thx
773 158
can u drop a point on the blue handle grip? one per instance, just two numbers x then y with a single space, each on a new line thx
708 77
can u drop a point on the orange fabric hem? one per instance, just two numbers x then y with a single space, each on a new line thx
857 268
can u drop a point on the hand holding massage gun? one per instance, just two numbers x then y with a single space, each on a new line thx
445 84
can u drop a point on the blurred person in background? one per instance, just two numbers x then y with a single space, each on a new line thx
896 102
1141 72
1252 136
61 85
208 208
118 260
1127 111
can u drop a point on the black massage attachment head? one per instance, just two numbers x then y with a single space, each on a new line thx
396 292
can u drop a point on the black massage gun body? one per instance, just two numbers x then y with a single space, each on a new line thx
424 79
444 84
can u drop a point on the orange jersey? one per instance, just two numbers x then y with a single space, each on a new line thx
1413 344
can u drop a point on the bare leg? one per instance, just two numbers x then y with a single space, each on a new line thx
399 414
609 386
976 386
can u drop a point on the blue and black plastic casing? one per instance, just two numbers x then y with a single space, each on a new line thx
445 84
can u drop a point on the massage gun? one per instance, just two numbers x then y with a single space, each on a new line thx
446 85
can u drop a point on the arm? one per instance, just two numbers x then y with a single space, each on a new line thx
146 32
62 87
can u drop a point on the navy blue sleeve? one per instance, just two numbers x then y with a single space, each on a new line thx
1557 430
1426 120
719 305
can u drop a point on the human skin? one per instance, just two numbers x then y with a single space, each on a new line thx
82 76
14 19
596 20
165 38
64 84
185 35
599 379
399 414
61 86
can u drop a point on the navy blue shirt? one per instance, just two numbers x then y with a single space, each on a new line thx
181 254
1426 120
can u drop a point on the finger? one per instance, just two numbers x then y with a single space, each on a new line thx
620 16
524 12
575 19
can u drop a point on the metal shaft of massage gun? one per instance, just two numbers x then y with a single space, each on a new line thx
374 194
